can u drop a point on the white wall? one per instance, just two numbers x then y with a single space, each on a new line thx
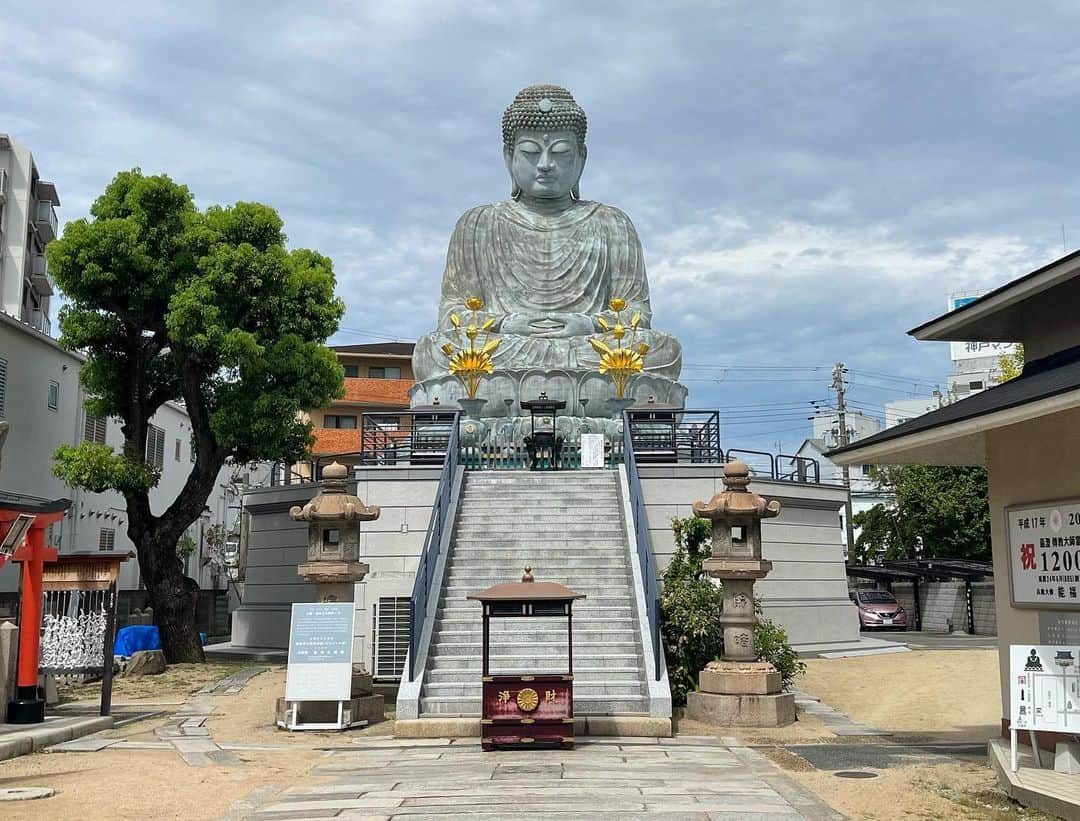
33 361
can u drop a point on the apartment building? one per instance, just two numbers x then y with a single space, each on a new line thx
27 224
378 376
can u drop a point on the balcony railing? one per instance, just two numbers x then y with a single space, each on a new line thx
45 221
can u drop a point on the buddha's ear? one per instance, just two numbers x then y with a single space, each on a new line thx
508 157
575 192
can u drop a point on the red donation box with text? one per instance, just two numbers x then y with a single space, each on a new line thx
527 708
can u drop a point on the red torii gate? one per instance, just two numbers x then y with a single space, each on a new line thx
23 522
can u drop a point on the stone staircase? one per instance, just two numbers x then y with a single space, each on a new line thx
569 527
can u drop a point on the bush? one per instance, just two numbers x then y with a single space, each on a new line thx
689 608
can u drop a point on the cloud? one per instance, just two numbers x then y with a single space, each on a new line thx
808 181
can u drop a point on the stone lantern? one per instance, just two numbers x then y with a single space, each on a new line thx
334 517
739 690
333 564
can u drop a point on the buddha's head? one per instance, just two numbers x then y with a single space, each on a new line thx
544 143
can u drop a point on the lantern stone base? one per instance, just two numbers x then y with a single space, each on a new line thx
741 694
721 709
740 678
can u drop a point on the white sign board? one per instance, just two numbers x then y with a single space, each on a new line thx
592 450
320 652
1044 554
975 350
1045 687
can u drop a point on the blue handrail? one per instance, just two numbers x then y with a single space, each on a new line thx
643 544
429 556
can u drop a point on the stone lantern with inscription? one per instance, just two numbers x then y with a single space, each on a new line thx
334 517
333 563
739 690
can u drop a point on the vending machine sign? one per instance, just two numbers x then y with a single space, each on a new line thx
1044 554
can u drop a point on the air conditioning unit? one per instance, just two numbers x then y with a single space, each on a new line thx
392 630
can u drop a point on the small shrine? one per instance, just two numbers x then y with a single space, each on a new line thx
527 709
738 690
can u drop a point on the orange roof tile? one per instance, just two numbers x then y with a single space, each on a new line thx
393 392
335 440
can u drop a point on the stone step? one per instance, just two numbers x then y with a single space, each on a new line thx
604 572
568 557
527 661
624 600
582 689
500 500
582 609
581 674
586 649
591 705
588 587
457 634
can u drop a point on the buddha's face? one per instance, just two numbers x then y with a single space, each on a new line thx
546 164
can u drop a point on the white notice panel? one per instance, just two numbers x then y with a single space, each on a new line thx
592 450
1045 687
1044 554
320 652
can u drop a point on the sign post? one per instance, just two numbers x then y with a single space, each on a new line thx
320 663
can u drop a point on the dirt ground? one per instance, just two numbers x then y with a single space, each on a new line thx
947 694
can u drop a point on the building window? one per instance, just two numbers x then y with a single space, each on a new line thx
94 429
54 394
155 447
106 539
333 420
177 450
352 371
3 385
866 469
975 386
384 373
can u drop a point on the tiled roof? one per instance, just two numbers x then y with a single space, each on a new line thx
392 392
334 440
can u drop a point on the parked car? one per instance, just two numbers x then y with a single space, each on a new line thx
879 609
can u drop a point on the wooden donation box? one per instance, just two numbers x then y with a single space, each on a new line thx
527 709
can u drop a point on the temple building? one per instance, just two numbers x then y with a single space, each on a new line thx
1026 433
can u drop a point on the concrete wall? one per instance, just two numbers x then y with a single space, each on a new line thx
390 545
807 590
1030 462
945 600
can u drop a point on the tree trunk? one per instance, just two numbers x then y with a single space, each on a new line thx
173 599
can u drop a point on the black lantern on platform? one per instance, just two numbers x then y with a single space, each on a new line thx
430 435
544 444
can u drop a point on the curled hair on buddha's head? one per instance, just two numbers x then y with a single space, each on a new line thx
543 107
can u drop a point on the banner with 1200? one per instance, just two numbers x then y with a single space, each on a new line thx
1044 554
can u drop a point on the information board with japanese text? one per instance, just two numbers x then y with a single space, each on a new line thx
1044 685
320 652
1044 554
592 450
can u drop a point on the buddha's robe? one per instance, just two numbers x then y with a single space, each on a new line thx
524 263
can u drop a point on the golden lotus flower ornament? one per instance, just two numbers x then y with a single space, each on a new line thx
472 362
621 361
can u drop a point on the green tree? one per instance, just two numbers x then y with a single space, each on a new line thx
946 506
204 308
1012 365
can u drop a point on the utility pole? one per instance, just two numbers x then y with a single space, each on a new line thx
841 410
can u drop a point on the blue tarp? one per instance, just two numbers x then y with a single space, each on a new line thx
137 637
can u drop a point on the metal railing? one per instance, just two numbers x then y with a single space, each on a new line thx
508 453
406 437
670 435
429 555
643 544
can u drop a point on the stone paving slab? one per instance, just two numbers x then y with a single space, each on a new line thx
655 778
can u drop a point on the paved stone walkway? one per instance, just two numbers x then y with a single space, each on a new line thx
837 723
685 778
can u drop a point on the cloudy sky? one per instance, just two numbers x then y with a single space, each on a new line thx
809 180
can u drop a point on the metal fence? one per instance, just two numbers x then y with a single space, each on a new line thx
643 545
439 523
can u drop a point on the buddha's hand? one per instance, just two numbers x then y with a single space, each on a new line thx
549 325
